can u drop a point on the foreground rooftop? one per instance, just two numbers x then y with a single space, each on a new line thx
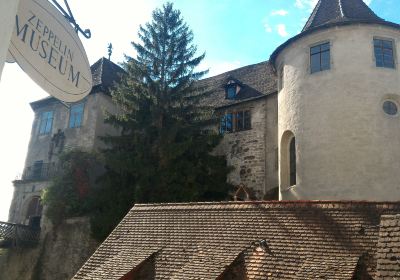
251 240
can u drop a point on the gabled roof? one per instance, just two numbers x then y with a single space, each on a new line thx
330 13
274 240
256 81
334 11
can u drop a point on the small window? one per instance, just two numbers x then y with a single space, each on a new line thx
243 121
231 91
76 115
390 108
226 124
384 55
320 58
37 171
235 122
46 122
292 164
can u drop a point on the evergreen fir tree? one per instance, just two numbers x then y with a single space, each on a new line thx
162 154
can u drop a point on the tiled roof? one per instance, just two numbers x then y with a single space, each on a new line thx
331 11
388 256
256 81
303 240
104 74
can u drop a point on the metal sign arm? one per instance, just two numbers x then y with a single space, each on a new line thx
70 17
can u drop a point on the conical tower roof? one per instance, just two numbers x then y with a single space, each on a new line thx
329 13
335 11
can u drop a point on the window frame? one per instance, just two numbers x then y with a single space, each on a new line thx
232 117
310 55
394 53
292 163
231 86
44 127
73 117
396 105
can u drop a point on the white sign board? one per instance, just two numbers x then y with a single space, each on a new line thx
10 58
49 50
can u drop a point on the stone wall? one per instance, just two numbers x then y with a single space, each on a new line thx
60 253
83 137
252 153
43 148
23 193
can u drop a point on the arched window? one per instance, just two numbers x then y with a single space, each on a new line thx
34 211
292 161
287 166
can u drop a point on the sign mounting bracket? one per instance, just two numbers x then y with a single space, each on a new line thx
70 17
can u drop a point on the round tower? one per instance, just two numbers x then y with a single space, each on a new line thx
339 106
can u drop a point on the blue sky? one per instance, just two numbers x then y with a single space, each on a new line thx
233 33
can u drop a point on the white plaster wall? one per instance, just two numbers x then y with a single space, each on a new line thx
347 147
8 10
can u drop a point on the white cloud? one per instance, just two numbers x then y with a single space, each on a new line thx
267 28
368 2
309 4
279 13
281 28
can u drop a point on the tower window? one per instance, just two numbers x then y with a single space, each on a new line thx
390 108
384 55
292 164
76 115
320 58
46 122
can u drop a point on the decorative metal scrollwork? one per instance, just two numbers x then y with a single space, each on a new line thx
70 17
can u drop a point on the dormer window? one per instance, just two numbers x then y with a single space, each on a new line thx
232 88
231 91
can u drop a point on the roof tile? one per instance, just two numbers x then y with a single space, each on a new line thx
303 240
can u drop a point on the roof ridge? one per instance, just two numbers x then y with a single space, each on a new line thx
272 202
312 16
341 9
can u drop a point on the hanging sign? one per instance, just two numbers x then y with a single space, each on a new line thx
10 58
49 50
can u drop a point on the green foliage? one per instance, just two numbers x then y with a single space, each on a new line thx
67 195
162 154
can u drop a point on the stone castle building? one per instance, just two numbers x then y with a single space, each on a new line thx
58 127
319 120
